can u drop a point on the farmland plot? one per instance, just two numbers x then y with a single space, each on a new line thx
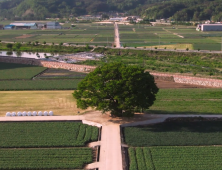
174 158
18 71
43 145
71 158
46 134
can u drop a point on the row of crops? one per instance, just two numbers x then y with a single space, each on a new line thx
71 158
174 158
173 133
66 84
45 145
9 71
177 143
46 134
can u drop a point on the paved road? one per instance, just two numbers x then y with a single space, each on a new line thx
117 39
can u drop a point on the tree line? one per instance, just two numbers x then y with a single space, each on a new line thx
177 10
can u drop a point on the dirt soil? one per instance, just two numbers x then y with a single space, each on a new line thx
24 36
172 85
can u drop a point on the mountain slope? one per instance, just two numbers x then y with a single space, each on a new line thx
180 10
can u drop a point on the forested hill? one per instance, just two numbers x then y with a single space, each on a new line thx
154 9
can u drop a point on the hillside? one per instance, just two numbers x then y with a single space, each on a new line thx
179 10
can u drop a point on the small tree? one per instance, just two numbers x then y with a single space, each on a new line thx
36 42
18 45
187 49
118 88
44 42
9 45
60 44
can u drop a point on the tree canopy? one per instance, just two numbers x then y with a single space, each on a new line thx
118 88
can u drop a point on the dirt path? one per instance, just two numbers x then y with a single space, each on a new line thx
117 39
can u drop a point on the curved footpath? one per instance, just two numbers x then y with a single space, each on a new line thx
110 144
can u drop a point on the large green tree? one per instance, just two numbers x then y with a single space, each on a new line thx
118 88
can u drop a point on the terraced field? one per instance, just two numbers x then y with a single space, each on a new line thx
43 145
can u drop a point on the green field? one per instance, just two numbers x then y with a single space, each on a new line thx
176 133
187 101
43 145
92 34
175 158
71 158
177 143
46 134
22 77
167 36
70 84
18 71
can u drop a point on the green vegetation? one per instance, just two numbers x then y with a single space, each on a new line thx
174 158
38 47
186 132
187 101
71 158
42 137
18 77
18 71
46 134
177 143
70 84
118 88
39 10
177 10
82 34
165 61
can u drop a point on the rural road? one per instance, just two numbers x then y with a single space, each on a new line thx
110 144
117 40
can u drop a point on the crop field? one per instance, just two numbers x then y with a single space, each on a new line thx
18 71
71 158
167 36
174 158
92 34
70 84
177 143
42 145
21 77
176 133
60 102
46 134
187 101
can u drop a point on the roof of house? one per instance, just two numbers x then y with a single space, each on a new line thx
24 24
9 26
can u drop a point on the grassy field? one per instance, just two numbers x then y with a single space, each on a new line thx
46 134
187 101
60 102
43 145
18 71
174 158
170 37
177 143
92 34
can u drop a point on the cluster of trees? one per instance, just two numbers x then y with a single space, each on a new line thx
178 10
186 10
